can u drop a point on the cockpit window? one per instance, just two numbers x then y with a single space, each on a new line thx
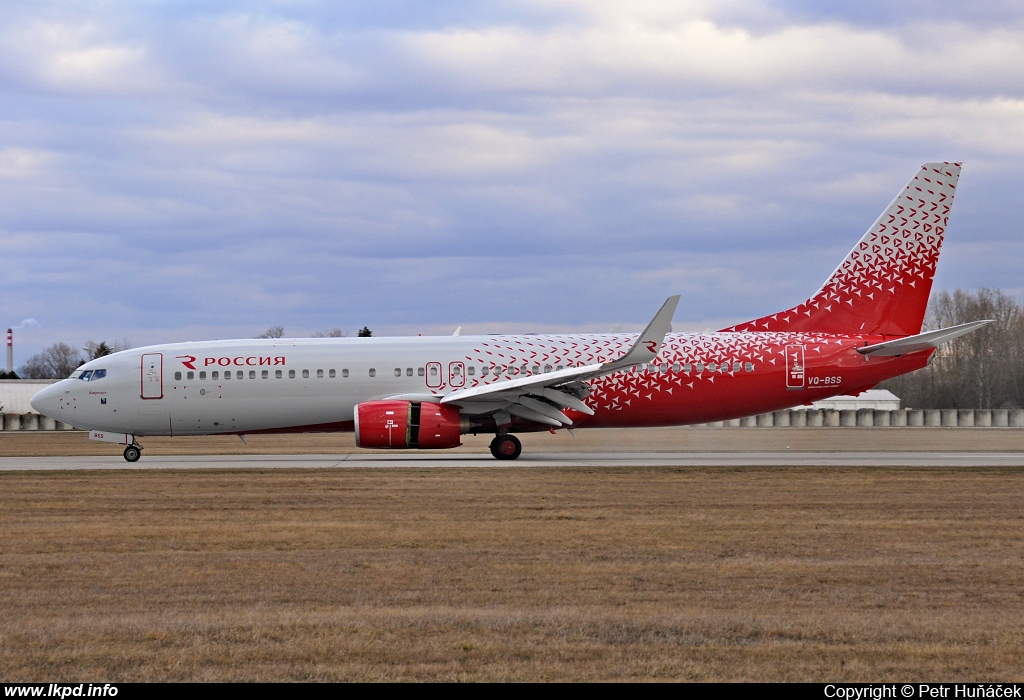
98 374
86 375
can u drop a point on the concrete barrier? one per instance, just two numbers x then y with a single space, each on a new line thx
948 417
47 423
865 417
983 418
965 418
898 419
748 422
847 418
12 421
780 419
765 420
883 419
831 418
915 417
932 417
1000 418
798 418
815 418
1016 417
30 421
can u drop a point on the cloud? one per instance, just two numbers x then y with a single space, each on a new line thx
173 170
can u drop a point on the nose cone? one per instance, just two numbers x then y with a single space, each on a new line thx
46 400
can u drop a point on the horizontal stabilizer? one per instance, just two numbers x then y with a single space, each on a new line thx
924 341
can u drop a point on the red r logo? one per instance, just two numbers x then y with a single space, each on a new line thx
652 345
187 360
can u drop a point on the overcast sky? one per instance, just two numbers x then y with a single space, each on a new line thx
181 171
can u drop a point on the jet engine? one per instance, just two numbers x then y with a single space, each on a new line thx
400 425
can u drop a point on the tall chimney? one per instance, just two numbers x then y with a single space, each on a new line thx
10 350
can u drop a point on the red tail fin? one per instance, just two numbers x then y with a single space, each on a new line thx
882 286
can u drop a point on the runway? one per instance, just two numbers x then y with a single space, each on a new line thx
549 460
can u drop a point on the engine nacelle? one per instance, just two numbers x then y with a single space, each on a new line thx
398 425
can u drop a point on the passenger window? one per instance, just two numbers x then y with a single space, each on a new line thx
687 367
305 374
202 375
419 371
265 374
559 368
484 371
252 374
737 366
433 371
525 370
712 367
177 376
748 367
699 366
457 371
398 371
291 374
190 375
344 373
319 374
547 368
408 371
536 369
278 374
332 374
373 372
227 375
98 374
675 367
214 375
239 375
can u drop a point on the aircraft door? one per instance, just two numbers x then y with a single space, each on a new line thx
457 374
434 379
152 376
795 367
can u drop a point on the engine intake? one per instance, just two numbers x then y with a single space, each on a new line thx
398 425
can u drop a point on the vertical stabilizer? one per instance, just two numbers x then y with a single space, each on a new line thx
882 286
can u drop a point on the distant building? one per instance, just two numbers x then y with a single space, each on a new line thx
878 399
15 394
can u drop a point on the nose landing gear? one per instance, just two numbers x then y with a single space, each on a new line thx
506 447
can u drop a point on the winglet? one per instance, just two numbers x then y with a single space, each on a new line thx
923 341
648 345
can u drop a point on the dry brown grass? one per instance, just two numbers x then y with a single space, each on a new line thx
512 574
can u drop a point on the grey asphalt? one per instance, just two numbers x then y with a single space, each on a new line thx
421 460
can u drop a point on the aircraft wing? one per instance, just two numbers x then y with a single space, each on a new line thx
542 397
923 341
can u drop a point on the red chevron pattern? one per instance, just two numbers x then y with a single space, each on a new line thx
883 284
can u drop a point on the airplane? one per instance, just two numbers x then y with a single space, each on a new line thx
861 327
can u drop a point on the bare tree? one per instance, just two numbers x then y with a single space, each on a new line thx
272 332
55 362
983 369
102 348
333 333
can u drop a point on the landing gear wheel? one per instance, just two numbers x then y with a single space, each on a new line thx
506 447
132 453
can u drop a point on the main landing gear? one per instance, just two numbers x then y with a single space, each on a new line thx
506 447
132 453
